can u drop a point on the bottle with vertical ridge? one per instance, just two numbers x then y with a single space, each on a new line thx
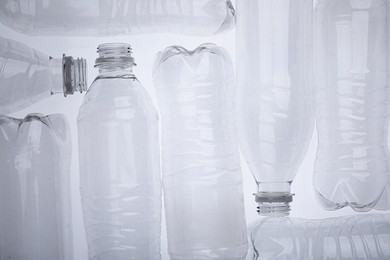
35 196
274 110
352 167
106 17
202 179
119 162
343 238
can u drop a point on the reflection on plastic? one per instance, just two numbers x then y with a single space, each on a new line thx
35 218
97 17
348 237
119 162
201 167
352 97
275 115
28 76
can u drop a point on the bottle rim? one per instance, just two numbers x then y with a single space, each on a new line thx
115 54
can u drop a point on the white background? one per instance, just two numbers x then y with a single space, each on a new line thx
144 49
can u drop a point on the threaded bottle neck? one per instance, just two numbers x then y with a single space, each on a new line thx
114 56
70 74
274 198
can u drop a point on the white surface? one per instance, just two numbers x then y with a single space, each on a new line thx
145 47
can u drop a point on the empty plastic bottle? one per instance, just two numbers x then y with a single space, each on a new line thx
28 76
202 178
348 237
352 98
119 162
275 115
35 217
106 17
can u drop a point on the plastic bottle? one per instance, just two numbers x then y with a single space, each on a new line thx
28 76
97 17
119 162
202 178
274 110
352 99
348 237
35 218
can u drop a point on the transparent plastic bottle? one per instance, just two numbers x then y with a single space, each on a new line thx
352 98
97 17
347 237
28 76
202 178
274 110
35 218
119 162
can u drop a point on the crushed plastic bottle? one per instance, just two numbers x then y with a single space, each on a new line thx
202 178
28 76
274 110
35 218
119 162
352 167
97 17
348 237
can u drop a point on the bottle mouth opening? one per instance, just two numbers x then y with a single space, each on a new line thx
115 54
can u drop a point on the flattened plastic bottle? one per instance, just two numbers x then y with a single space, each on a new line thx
28 76
202 179
35 218
352 167
275 114
347 237
120 178
107 17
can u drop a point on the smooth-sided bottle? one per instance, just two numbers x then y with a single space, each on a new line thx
347 237
274 111
105 17
202 178
352 57
119 162
28 76
35 198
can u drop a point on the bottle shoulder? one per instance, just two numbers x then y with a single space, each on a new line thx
107 96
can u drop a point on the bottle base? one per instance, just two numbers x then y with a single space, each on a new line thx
328 204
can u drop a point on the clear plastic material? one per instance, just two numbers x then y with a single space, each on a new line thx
202 178
352 97
35 217
97 17
119 162
275 115
342 238
28 76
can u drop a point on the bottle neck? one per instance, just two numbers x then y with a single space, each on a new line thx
115 60
274 198
68 75
115 71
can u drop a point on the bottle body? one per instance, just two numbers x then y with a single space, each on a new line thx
347 237
35 219
352 96
274 111
93 17
202 179
119 168
28 76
